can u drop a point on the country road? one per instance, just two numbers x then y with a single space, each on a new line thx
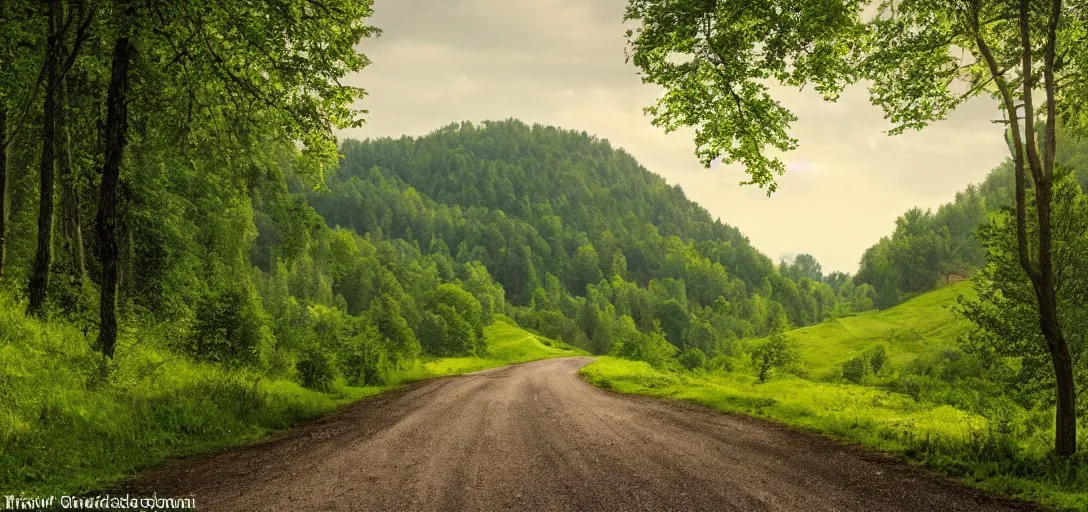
536 437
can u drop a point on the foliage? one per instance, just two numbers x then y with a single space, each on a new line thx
573 216
316 370
228 329
717 61
637 346
452 324
692 359
856 369
777 352
729 51
929 247
67 428
878 358
1009 337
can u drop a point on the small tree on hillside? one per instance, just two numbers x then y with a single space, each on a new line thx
777 352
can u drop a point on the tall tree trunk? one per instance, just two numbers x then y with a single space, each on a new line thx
39 277
3 186
1041 273
107 221
71 231
1065 435
1065 438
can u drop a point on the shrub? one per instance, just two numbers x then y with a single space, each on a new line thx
451 323
856 369
878 358
365 360
692 359
778 352
228 328
639 346
315 369
722 362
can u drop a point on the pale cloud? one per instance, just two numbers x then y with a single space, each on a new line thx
561 62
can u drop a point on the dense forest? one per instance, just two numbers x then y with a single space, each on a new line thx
426 240
588 245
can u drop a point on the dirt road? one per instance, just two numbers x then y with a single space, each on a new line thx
537 437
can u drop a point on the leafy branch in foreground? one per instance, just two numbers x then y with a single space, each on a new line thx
716 61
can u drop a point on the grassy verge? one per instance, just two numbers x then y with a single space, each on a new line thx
66 429
941 437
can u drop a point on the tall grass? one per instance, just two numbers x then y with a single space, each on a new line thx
66 426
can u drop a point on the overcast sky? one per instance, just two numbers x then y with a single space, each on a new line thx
561 62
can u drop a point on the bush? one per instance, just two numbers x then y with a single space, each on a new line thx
315 370
366 360
692 359
778 352
856 369
878 358
723 363
228 328
639 346
451 323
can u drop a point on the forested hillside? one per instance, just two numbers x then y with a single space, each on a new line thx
588 245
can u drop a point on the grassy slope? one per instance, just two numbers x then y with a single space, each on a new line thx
507 344
923 325
939 436
66 429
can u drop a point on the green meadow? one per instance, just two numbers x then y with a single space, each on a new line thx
64 428
986 440
921 327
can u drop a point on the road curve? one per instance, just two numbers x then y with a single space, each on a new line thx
537 437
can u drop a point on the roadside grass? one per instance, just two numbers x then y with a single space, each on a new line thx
960 429
871 416
65 428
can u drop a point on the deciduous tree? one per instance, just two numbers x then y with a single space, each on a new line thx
716 60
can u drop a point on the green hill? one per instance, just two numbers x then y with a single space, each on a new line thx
922 326
569 226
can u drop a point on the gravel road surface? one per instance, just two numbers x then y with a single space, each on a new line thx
535 436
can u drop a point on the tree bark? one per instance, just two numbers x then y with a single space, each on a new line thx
107 220
1042 273
71 231
39 277
3 187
